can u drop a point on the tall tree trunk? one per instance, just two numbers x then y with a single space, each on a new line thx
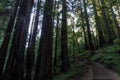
43 64
56 38
114 19
15 64
106 22
56 43
98 27
73 32
73 41
73 38
31 47
91 47
20 55
64 47
5 43
82 18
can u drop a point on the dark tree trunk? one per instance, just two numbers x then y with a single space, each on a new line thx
31 47
64 47
98 27
73 32
82 18
91 47
85 36
43 64
106 22
73 42
73 38
15 64
77 43
5 43
114 19
56 36
20 55
56 43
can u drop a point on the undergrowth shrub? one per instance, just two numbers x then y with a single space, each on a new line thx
117 41
76 69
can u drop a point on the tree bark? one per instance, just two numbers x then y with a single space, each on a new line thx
31 47
56 43
106 22
98 27
91 47
43 64
114 19
64 47
15 64
5 43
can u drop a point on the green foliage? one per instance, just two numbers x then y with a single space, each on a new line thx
73 71
84 55
6 7
1 40
117 41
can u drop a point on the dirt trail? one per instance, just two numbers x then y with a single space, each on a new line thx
97 71
102 73
87 75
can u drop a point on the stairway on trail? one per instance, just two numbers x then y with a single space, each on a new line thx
96 71
102 73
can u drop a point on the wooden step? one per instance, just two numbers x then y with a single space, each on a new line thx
102 77
105 74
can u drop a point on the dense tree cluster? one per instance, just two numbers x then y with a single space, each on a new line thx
39 36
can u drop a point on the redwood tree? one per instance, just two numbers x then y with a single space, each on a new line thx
15 63
91 46
64 47
31 46
43 64
98 26
5 43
